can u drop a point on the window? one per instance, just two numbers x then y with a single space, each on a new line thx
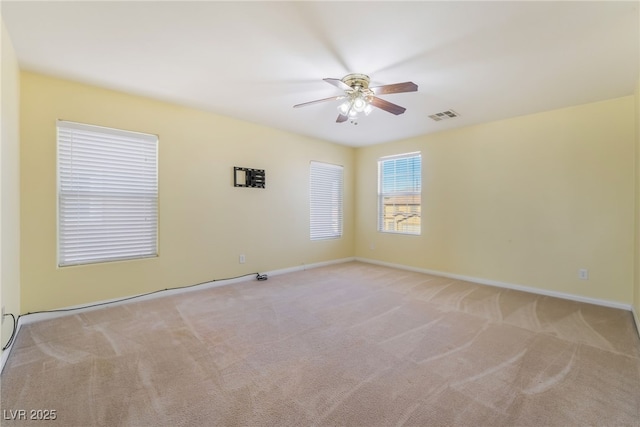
107 194
325 196
399 193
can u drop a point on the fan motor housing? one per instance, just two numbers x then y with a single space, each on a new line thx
356 80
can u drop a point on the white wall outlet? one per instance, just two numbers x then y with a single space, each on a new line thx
372 246
583 274
242 259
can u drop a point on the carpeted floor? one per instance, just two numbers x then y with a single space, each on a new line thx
347 345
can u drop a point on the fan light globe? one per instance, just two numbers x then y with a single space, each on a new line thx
344 108
359 104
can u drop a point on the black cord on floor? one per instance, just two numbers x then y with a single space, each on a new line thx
62 310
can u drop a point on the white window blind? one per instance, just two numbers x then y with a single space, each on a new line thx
107 194
325 195
399 193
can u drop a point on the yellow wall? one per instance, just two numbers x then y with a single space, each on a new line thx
205 222
525 201
9 185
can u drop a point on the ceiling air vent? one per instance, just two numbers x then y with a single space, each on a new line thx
449 114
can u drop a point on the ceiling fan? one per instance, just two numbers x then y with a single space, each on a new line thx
360 98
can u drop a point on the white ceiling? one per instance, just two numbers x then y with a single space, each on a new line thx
255 60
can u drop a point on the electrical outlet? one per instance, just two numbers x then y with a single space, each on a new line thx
372 246
242 259
583 274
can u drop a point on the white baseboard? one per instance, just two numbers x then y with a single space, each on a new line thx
309 266
481 281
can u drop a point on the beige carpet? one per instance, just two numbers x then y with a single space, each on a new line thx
347 345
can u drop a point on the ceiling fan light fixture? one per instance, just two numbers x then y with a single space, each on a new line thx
360 98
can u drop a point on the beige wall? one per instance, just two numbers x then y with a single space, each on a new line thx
205 222
9 185
525 201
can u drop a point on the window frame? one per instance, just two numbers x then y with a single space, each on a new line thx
330 223
413 193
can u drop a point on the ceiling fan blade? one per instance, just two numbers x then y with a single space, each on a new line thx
395 88
338 83
317 101
387 106
342 118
